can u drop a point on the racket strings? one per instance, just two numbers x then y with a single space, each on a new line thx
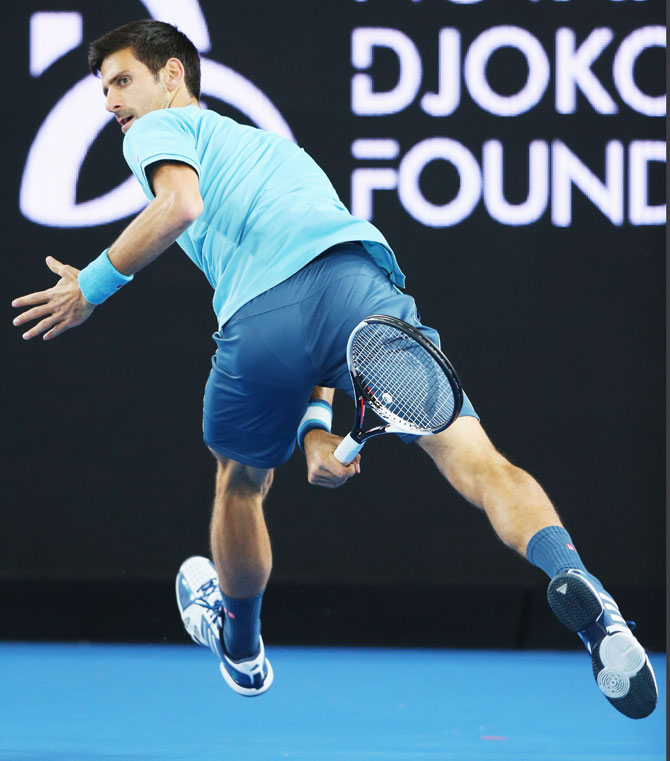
410 394
402 378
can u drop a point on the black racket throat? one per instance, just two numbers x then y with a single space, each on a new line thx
357 432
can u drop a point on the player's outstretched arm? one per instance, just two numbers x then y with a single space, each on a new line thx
71 301
319 444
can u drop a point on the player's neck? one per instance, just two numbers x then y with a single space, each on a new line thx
182 98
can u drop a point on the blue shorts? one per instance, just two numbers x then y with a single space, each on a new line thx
277 347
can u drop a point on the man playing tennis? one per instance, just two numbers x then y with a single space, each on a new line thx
293 272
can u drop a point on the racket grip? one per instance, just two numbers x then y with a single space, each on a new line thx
347 449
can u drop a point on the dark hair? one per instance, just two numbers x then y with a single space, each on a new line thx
152 43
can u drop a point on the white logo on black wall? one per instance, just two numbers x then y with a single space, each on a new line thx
555 167
48 187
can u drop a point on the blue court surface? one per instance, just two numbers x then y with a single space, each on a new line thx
146 702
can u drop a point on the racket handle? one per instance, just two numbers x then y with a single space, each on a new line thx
347 449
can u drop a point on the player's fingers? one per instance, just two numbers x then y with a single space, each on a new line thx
39 297
321 476
45 324
328 483
333 465
350 471
324 483
32 314
337 475
54 265
345 472
61 327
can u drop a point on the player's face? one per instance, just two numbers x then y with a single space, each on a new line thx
130 87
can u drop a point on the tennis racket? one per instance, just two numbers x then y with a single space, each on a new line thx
403 378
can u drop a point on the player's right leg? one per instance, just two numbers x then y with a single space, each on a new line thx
220 605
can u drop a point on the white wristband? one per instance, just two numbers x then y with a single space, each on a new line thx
319 414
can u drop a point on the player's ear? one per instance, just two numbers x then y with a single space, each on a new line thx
173 73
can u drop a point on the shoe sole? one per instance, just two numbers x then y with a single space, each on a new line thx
248 692
620 665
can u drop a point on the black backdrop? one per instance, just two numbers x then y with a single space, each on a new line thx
557 330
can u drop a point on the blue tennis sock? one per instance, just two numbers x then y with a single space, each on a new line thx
552 550
241 626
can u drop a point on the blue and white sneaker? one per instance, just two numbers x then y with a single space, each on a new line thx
620 665
200 604
248 678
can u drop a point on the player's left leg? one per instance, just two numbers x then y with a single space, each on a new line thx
220 605
525 520
514 502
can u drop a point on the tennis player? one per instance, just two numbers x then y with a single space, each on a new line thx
293 272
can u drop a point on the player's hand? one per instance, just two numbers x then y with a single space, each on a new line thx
59 308
322 468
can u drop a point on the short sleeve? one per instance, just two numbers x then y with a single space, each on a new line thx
159 136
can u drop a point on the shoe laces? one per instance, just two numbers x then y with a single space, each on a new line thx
210 598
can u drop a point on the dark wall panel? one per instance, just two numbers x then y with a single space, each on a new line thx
557 328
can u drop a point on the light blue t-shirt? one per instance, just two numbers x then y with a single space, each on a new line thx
269 209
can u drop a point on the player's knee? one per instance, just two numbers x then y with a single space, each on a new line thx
234 476
499 476
479 471
495 469
476 476
465 455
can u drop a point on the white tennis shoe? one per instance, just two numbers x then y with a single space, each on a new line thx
200 604
621 667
